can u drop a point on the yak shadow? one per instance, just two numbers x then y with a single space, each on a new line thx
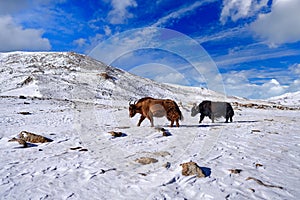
120 136
28 145
123 135
202 125
165 132
206 171
245 121
115 135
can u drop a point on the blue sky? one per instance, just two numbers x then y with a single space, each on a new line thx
254 44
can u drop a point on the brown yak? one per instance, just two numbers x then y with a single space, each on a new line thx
149 107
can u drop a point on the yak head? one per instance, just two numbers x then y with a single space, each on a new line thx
195 110
132 109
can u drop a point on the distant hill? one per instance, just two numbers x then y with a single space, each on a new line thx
288 99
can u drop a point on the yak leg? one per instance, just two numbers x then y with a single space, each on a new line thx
172 123
227 118
152 123
201 118
177 122
212 118
141 119
150 117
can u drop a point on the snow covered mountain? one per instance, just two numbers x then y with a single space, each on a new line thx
67 75
288 99
78 102
74 76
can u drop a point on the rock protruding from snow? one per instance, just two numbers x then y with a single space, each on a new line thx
191 168
33 138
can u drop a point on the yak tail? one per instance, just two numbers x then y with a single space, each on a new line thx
179 111
181 116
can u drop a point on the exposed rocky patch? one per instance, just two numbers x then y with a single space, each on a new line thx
146 160
191 168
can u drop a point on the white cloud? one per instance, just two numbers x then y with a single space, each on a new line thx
93 42
118 45
244 54
107 30
239 9
119 13
281 25
80 42
15 37
295 86
235 78
8 7
251 84
223 34
295 69
180 12
272 88
160 73
174 78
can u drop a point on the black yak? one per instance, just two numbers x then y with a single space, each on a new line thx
213 110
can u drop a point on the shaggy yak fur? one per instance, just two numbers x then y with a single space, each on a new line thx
213 110
149 107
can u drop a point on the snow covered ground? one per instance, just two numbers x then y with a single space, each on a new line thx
76 102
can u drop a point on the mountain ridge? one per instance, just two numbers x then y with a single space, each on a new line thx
73 76
61 71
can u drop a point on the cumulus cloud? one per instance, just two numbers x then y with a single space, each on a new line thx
239 9
244 88
250 83
15 37
120 13
272 88
281 25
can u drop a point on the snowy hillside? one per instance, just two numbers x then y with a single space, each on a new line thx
77 102
289 99
74 76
